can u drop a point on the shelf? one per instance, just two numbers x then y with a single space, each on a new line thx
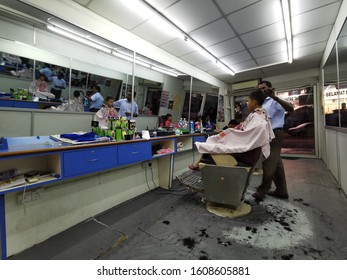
163 147
44 163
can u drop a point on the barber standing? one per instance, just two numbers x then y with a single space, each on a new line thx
58 84
273 169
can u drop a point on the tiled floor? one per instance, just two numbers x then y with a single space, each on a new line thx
176 225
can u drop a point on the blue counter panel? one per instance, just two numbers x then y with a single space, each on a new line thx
134 153
77 163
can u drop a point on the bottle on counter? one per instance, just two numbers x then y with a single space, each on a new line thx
191 127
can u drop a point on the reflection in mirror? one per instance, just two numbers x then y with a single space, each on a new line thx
331 89
55 76
16 73
335 83
203 103
148 96
108 87
342 68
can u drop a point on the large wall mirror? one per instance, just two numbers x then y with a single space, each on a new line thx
335 83
202 102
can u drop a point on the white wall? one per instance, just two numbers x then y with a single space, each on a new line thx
65 205
16 122
336 141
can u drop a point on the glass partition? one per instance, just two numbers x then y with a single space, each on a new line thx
16 74
335 83
342 68
202 103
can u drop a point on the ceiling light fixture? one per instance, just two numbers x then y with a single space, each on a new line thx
288 29
225 68
180 33
165 71
86 38
79 39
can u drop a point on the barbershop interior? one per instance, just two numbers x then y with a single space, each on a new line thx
78 185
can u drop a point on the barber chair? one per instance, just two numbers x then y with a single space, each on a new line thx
224 186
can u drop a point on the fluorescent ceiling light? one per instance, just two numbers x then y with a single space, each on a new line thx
123 56
174 74
262 66
130 58
225 68
288 29
67 27
79 39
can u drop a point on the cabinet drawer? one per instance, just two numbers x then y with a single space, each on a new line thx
200 138
86 161
132 153
26 104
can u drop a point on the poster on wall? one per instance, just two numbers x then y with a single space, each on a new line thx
164 100
220 109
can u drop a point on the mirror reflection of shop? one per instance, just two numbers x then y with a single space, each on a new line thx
299 134
196 101
240 107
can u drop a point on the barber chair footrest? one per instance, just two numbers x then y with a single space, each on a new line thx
192 180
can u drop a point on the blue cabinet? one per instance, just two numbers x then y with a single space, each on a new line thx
80 162
6 103
200 138
134 153
26 104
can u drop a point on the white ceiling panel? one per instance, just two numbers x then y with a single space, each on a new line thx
190 15
213 33
236 58
237 31
228 47
312 37
119 12
194 58
315 19
82 2
261 11
245 65
231 6
161 4
300 6
268 49
309 50
272 59
264 35
177 47
208 66
157 38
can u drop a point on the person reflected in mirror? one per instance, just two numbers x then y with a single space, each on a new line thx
96 99
125 105
147 110
58 84
106 112
273 169
73 105
48 71
39 88
168 121
208 123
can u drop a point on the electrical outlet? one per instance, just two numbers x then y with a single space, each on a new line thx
146 164
36 194
24 197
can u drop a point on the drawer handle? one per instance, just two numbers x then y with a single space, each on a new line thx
134 153
93 160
